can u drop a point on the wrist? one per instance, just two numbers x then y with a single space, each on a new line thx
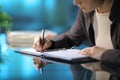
99 52
52 44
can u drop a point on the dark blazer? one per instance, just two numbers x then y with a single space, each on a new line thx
83 30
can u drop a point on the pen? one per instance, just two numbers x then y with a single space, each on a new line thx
42 43
41 67
43 37
41 70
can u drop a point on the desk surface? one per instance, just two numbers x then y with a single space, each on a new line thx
20 67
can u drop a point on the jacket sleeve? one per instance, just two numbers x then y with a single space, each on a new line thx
75 36
110 61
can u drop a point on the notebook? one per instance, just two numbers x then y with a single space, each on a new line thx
60 55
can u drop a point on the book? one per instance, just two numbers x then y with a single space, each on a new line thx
21 39
59 55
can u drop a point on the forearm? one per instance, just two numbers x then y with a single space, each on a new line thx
111 57
64 41
114 70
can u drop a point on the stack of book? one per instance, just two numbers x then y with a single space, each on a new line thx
25 38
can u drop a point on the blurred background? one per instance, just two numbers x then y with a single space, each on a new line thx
55 15
34 15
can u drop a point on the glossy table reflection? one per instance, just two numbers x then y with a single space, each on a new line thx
20 67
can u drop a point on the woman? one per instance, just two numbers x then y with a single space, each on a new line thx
98 22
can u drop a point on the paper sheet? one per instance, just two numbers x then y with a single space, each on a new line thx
66 54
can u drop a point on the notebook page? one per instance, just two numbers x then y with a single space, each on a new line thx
67 54
30 51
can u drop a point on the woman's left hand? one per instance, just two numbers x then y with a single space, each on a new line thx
94 52
95 66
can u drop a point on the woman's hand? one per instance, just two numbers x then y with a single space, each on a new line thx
95 66
37 45
38 63
94 52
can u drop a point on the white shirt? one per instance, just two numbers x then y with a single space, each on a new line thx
101 25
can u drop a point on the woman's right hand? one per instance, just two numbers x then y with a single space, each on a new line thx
38 44
38 63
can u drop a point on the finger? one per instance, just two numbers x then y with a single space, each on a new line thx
36 42
36 39
40 42
83 52
47 45
36 60
87 51
43 44
36 66
37 63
